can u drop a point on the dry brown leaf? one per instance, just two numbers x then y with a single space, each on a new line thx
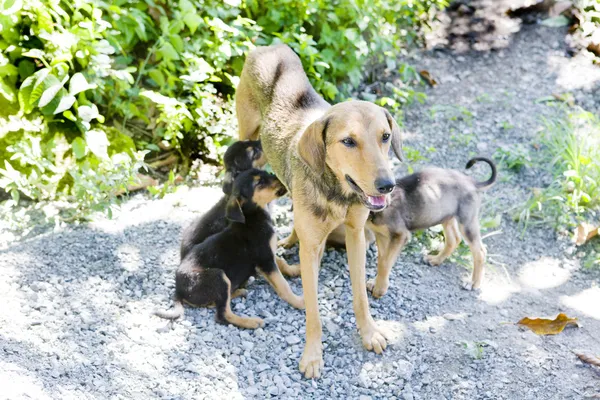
589 359
543 326
427 76
585 232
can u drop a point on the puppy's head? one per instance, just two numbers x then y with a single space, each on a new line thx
241 156
353 139
252 189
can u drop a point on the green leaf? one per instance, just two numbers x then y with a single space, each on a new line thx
7 92
78 146
65 103
556 22
10 7
167 52
97 143
34 53
88 113
26 68
49 94
192 21
157 77
69 115
177 43
25 94
79 84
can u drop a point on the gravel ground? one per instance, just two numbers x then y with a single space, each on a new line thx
75 318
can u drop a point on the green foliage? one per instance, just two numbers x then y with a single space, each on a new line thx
571 145
89 89
513 158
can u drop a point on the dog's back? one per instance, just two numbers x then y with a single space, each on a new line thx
275 93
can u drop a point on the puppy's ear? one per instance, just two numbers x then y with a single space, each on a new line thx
396 136
233 211
311 146
228 182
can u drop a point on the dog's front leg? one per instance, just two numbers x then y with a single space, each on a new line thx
372 336
312 234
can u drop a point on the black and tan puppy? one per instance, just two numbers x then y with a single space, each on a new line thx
333 159
214 270
425 199
239 157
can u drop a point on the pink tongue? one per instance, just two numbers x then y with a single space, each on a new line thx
377 200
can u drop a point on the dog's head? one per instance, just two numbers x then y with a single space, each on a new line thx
241 156
353 139
252 189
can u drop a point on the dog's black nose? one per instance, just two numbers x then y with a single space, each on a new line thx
384 185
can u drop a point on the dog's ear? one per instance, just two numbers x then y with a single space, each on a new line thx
233 211
311 146
228 182
396 136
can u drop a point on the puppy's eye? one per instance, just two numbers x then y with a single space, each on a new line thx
256 155
386 137
349 142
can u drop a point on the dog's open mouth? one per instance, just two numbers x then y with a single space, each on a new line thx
375 203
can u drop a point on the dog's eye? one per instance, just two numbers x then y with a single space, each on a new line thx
349 142
256 155
386 137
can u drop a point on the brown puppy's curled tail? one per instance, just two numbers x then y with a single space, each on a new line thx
486 184
173 313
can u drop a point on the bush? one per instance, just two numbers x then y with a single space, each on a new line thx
90 90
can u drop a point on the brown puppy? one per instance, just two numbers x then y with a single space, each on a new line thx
334 162
425 199
214 270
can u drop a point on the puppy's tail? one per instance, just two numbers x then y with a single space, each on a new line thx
174 313
486 184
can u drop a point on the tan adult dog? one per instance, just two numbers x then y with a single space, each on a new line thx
334 162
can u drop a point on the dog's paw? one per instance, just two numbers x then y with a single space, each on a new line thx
433 260
471 286
254 323
239 293
374 339
376 291
298 302
286 243
292 270
311 362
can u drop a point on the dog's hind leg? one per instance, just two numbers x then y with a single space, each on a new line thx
451 242
247 111
472 235
388 249
221 287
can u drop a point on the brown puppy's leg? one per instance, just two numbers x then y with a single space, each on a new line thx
247 111
286 269
388 248
451 242
289 241
312 234
472 236
282 288
372 335
224 313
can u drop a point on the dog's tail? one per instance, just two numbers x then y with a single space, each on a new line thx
172 314
486 184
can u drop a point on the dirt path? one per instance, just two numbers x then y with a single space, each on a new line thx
74 320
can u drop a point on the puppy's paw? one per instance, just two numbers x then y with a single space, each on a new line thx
254 323
376 290
311 362
298 302
433 260
292 270
287 242
239 293
374 339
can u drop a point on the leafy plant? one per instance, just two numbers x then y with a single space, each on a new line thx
90 90
571 144
513 158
